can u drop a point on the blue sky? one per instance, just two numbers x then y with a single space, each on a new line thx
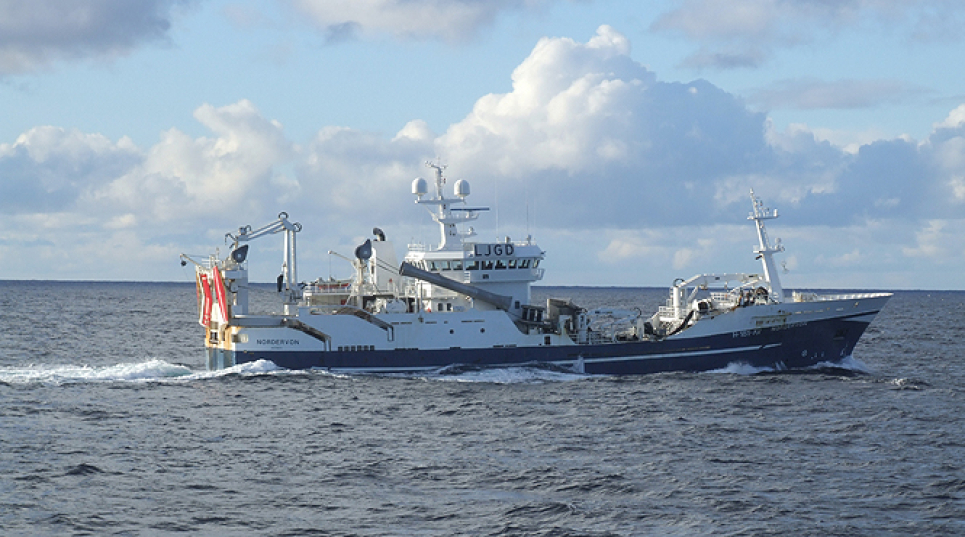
624 136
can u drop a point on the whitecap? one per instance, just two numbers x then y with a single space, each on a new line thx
742 368
908 384
155 370
506 375
248 369
151 370
849 363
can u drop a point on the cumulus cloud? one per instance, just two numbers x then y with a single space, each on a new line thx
584 121
48 168
955 119
741 34
597 142
182 177
63 190
85 187
588 146
37 33
566 107
353 171
809 93
450 20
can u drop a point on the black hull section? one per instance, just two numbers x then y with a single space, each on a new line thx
802 346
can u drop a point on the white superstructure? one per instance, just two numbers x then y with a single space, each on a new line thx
468 301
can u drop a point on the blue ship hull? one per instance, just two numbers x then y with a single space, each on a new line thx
828 340
388 321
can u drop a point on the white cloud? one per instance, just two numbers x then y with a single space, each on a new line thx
183 177
65 190
123 221
949 156
939 241
742 34
954 120
631 245
689 153
569 106
49 168
416 131
848 259
958 187
37 33
586 122
688 247
716 18
849 141
627 170
351 170
809 94
450 20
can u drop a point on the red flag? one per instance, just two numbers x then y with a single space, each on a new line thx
205 319
219 292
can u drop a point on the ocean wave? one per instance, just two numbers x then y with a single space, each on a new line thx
526 374
59 374
160 371
908 384
155 370
742 368
848 363
248 369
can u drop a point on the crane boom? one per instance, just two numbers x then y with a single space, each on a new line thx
288 281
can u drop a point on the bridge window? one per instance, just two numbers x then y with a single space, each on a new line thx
457 265
524 263
500 264
512 263
472 265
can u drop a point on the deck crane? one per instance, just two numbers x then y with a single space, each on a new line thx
288 280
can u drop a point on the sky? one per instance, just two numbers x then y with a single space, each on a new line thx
623 136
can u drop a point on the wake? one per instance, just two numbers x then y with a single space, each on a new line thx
150 371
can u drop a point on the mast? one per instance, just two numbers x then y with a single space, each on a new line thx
444 213
765 252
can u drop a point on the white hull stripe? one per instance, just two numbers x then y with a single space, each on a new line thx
379 369
611 359
567 363
865 318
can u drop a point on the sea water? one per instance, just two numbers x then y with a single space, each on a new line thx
109 425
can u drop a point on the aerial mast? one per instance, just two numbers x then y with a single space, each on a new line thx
444 213
765 252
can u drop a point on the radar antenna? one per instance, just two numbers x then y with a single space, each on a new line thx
441 208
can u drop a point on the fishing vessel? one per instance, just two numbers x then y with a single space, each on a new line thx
468 302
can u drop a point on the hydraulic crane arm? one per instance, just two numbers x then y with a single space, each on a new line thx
289 277
247 234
